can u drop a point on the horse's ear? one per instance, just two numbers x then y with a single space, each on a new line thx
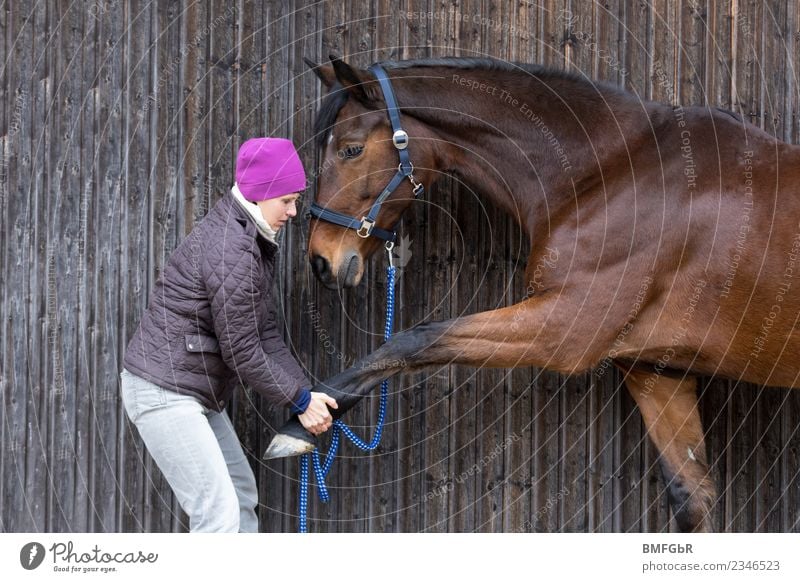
359 84
323 72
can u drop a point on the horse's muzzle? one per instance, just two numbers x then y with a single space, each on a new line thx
347 275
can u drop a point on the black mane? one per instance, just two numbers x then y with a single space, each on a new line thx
469 63
333 102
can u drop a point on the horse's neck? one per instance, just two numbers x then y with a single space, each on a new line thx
525 149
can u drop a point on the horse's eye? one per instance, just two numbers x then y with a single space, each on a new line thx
352 151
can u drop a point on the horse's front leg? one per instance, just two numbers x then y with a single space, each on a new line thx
526 334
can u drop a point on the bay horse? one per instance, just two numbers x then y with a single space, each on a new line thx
676 232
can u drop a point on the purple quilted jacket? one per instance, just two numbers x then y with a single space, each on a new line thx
211 321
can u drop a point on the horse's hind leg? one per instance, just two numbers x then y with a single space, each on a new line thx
669 410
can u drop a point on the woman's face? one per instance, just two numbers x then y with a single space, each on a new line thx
276 211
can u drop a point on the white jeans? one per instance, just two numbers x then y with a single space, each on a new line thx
199 454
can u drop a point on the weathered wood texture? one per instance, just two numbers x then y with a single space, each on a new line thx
120 125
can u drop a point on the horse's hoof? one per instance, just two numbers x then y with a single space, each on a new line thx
292 440
286 446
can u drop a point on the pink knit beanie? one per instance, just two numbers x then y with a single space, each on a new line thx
269 167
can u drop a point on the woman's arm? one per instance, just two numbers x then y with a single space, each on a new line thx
232 273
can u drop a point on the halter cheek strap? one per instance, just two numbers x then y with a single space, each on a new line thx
365 227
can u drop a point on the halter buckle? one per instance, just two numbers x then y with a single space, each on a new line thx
400 139
416 187
366 227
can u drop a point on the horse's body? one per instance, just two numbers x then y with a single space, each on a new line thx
671 238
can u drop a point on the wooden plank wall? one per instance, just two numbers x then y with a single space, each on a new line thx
120 125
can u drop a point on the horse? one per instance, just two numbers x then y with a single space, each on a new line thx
675 228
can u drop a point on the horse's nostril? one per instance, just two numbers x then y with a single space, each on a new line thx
320 266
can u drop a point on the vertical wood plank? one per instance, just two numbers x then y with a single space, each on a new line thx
102 213
27 82
551 33
36 253
67 454
744 439
134 237
609 52
692 52
665 42
5 240
748 59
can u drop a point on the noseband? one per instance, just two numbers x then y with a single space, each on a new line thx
366 226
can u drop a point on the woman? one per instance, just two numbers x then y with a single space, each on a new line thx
210 324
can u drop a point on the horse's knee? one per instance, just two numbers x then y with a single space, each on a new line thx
411 347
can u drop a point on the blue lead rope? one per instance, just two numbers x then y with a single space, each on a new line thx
321 469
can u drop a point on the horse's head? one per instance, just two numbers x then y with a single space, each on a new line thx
358 160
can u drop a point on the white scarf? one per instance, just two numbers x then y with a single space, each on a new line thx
252 208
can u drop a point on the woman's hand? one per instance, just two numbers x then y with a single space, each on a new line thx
317 418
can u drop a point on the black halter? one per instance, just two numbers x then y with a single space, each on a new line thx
366 226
